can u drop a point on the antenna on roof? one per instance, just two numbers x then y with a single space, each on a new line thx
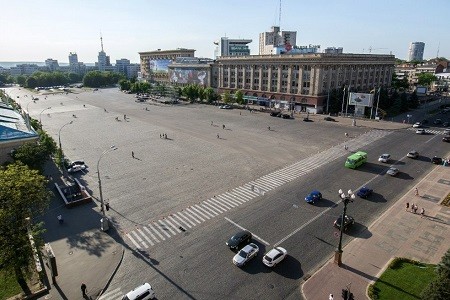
279 17
437 54
101 40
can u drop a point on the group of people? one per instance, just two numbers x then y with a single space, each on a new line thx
414 209
163 136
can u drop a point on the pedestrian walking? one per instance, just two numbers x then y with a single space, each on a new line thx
60 219
407 206
345 147
218 136
132 154
240 113
416 191
160 136
415 208
346 134
165 136
422 212
212 123
124 117
331 297
83 289
223 126
268 127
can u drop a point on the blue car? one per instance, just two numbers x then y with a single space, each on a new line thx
313 197
364 192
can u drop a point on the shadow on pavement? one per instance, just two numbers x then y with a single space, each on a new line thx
358 272
359 231
375 197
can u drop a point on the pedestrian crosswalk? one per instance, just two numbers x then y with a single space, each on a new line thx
430 130
157 231
115 294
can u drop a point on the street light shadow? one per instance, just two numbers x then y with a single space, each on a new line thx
290 268
359 231
324 203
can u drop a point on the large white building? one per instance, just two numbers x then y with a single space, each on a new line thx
24 69
234 47
270 41
415 51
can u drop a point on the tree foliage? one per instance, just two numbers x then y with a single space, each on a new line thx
239 97
439 288
47 79
425 79
23 196
191 92
210 95
97 79
226 97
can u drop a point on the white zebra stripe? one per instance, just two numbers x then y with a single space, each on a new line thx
205 207
192 215
138 237
176 226
151 234
162 226
156 231
221 204
214 206
193 207
133 241
204 211
145 237
184 220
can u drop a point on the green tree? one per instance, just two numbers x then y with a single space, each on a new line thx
124 85
23 196
239 97
414 100
201 93
21 80
31 154
439 288
210 94
403 102
31 82
425 79
191 92
226 97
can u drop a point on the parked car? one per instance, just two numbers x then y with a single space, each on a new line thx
143 292
446 139
245 254
364 192
274 256
329 119
226 106
436 160
420 131
239 239
447 131
384 158
286 116
313 197
275 114
348 222
76 168
413 154
392 171
75 162
417 125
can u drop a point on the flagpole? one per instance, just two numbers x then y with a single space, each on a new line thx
378 101
371 108
343 100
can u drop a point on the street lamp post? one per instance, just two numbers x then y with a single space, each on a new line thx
104 221
346 199
60 147
343 101
40 114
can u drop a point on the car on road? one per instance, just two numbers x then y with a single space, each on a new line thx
420 131
436 160
447 132
75 163
384 158
286 116
245 254
142 292
240 238
364 192
313 197
348 222
226 107
392 171
274 256
76 168
329 119
275 114
417 125
412 154
446 139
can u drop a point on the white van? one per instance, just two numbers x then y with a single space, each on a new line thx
143 292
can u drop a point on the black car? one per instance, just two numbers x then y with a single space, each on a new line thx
306 120
436 160
329 119
348 221
446 139
286 116
275 114
239 239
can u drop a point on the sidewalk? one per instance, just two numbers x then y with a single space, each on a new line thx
83 252
397 233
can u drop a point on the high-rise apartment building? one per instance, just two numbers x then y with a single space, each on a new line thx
103 63
269 41
52 64
73 59
416 51
234 47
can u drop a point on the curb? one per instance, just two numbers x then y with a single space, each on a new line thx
112 274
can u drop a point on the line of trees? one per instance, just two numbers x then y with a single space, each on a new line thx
97 79
45 79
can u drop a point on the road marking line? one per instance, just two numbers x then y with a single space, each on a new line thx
221 204
192 214
139 239
239 195
151 234
157 232
163 226
113 293
206 210
145 237
266 183
183 220
194 207
239 199
230 200
239 226
244 191
205 207
213 206
186 218
170 223
133 241
223 199
175 221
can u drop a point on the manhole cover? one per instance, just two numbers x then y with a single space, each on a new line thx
70 252
271 286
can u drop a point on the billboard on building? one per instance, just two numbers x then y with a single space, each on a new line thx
160 65
360 99
188 76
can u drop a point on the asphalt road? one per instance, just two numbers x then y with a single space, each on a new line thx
167 177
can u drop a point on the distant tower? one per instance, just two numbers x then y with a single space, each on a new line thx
416 51
103 60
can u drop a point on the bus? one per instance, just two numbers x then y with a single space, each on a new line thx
356 159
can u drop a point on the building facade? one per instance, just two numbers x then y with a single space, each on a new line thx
191 70
415 51
24 69
52 64
154 64
234 47
268 41
303 79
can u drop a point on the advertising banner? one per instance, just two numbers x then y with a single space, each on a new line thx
360 99
160 65
188 76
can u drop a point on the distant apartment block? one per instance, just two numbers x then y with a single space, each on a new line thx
269 41
24 69
234 47
52 64
133 70
415 52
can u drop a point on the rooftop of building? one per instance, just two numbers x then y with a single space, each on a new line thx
159 51
12 125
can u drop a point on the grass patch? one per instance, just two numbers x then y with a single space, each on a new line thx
405 280
8 284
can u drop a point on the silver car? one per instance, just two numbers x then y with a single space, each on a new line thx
392 171
246 254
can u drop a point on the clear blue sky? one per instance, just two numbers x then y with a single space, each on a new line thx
33 30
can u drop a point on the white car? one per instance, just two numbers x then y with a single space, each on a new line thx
274 256
420 131
392 171
245 254
417 125
76 168
384 158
